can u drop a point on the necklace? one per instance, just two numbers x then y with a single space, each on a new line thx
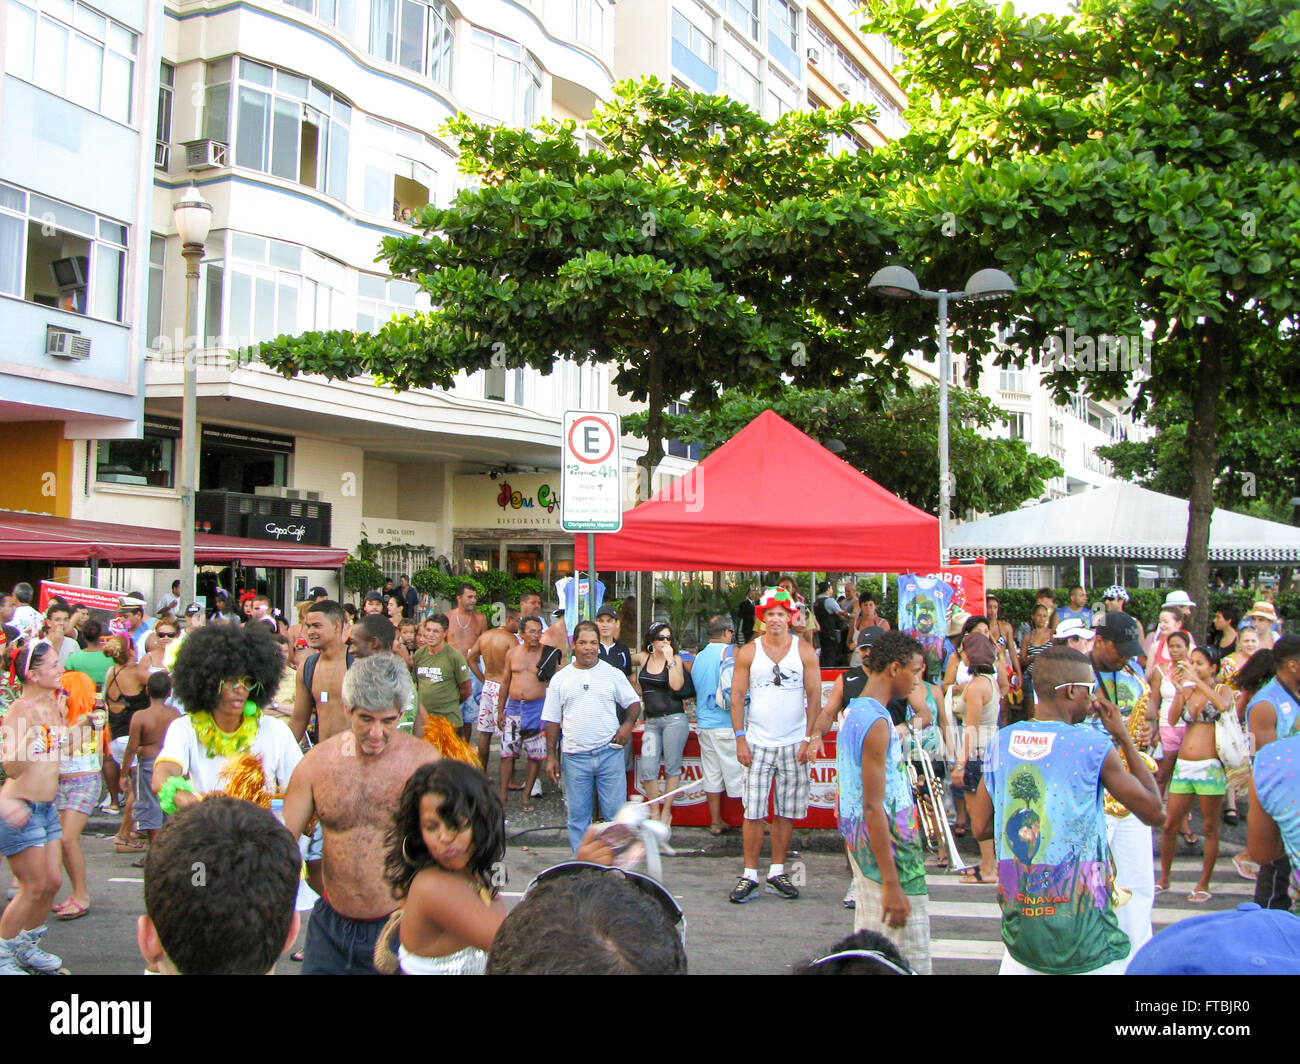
218 743
464 625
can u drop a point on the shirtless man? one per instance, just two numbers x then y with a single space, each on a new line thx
486 659
146 737
323 630
352 782
519 708
464 625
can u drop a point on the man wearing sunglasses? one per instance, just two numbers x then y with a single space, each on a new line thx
1041 802
783 680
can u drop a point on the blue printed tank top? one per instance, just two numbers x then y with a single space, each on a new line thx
1278 786
1288 712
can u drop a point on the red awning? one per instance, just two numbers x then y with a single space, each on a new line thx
40 537
771 497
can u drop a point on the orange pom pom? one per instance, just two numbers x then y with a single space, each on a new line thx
245 778
441 734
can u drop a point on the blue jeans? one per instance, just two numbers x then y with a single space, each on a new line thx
602 769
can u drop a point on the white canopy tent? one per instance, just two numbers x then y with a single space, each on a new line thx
1120 523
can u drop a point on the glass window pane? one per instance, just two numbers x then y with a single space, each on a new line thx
284 138
90 21
240 314
212 304
255 72
248 248
112 232
286 316
411 45
347 17
85 63
382 16
253 129
122 39
263 307
13 237
106 286
51 55
371 287
118 87
167 74
13 198
403 292
67 217
20 42
216 119
292 84
153 303
337 181
289 256
379 191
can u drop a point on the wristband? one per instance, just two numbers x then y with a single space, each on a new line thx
167 793
740 734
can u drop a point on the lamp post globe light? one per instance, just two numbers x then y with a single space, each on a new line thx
193 216
898 282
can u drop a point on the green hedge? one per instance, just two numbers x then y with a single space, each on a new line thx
1144 602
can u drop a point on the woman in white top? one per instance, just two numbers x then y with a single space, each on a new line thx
978 707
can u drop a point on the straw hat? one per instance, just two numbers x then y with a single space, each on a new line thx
1264 611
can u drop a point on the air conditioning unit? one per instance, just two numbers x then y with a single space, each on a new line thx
814 56
162 155
844 87
66 343
205 155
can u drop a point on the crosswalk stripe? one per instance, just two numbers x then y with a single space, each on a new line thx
965 949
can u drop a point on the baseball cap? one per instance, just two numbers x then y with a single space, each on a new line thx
1073 628
318 592
1246 941
868 636
607 611
1120 629
192 609
374 596
1178 598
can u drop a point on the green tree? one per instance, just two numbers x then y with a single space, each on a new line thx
1137 170
889 434
1024 788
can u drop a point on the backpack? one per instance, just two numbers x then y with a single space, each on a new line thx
726 670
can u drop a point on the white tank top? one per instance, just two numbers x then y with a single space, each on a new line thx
777 705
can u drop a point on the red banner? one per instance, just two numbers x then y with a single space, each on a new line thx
94 597
967 581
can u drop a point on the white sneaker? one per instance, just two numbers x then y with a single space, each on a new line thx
537 789
29 954
851 897
9 966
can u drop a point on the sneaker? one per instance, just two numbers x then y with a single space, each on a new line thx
781 885
9 966
27 953
537 789
851 897
744 890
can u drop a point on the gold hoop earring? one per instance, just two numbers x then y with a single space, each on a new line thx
406 856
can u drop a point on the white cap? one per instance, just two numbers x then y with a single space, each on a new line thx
1073 628
1178 598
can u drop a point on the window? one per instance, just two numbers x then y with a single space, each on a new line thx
1012 381
73 51
1018 426
782 26
415 34
675 447
744 13
380 299
283 124
693 29
740 72
398 188
60 256
583 20
515 77
341 14
849 77
889 116
153 306
163 125
148 461
883 49
780 96
1014 576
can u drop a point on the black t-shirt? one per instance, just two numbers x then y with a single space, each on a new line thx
746 614
410 602
617 655
827 611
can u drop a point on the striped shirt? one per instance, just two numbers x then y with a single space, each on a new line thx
584 703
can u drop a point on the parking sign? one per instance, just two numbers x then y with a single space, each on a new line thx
591 496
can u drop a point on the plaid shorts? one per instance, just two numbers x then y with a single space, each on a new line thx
912 939
79 793
777 764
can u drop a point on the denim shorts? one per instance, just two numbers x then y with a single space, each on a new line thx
664 739
42 826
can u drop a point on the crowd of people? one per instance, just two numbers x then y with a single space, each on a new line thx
366 733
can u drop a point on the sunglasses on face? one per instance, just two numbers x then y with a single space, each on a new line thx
651 888
246 682
1090 685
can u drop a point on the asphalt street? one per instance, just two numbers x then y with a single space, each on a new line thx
766 936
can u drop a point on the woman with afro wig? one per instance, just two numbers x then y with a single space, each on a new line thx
223 676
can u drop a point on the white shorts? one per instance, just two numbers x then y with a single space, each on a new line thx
1011 966
718 762
487 708
117 748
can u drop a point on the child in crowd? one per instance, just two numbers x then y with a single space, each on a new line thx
145 740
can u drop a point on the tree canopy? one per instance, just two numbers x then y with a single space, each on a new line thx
891 435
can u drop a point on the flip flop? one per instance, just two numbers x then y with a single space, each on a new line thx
1247 869
71 910
959 831
726 829
1160 889
296 955
121 845
942 862
976 880
1199 897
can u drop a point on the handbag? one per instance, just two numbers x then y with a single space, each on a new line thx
1230 741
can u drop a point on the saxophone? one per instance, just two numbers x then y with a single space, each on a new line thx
1137 717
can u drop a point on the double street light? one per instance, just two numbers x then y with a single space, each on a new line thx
193 215
898 282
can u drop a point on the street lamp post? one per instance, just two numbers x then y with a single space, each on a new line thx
193 216
898 282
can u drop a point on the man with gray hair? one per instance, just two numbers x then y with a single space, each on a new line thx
352 781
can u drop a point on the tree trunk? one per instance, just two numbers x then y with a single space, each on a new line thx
654 454
1204 446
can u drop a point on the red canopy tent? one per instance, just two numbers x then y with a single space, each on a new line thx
771 497
40 537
